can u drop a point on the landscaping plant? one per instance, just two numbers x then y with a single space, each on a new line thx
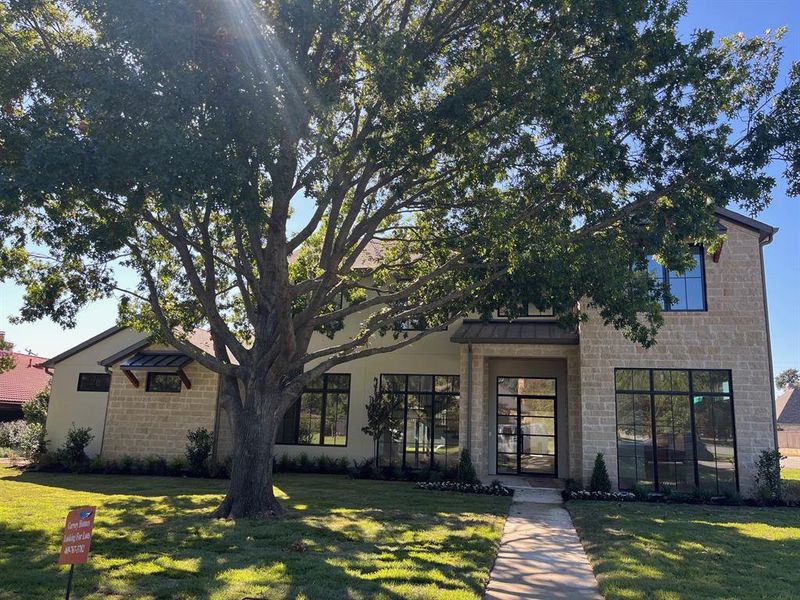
200 443
600 481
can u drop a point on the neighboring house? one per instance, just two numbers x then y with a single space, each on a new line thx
20 384
788 410
526 396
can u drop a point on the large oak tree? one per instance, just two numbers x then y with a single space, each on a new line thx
242 157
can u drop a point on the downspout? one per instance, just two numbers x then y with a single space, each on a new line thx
469 397
763 242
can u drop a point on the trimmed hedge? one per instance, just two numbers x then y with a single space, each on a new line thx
494 489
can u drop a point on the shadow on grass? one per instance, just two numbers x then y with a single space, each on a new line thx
695 552
160 543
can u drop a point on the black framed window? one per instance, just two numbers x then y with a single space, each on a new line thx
423 430
319 417
530 311
675 427
94 382
688 289
163 382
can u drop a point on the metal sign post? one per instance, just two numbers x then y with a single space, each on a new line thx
76 541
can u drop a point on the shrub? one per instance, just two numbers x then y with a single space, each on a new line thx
602 496
111 467
323 464
342 465
466 470
285 464
600 481
154 465
495 489
767 485
35 409
126 464
304 463
176 466
31 442
10 433
364 469
198 450
641 491
97 465
72 453
219 470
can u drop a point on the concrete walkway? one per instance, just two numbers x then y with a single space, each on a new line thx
540 554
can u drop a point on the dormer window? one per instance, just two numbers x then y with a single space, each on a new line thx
688 289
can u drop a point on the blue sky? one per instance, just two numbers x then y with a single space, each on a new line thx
782 257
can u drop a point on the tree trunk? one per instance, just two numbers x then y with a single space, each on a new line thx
250 494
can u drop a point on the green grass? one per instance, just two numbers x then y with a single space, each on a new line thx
791 474
672 552
153 539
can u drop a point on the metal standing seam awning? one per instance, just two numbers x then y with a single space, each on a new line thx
513 332
157 362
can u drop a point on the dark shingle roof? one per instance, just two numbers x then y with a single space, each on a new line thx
788 407
513 332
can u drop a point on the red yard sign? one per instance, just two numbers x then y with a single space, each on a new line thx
77 536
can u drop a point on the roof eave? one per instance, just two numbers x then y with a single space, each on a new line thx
82 346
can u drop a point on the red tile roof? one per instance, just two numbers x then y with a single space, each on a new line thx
24 381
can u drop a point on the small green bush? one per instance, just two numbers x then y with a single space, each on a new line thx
31 442
72 454
364 469
466 470
11 432
176 466
97 465
600 481
641 491
35 409
304 463
155 465
198 450
767 485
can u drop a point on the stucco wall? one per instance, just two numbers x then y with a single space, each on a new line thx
84 409
730 335
433 355
141 423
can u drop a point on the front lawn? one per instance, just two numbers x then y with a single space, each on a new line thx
792 474
342 539
671 552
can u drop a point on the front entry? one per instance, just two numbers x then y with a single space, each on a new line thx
526 426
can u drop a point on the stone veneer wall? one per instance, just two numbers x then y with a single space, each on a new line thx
141 423
730 335
481 353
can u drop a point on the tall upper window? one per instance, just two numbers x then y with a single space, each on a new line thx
319 417
94 382
688 289
423 430
675 428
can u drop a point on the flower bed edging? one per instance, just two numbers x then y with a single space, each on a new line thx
495 489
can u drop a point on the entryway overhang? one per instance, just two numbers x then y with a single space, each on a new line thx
475 331
157 362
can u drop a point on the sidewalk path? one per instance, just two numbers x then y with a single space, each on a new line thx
540 554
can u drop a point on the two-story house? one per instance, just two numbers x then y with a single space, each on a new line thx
526 396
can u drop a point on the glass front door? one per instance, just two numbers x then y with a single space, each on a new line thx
526 426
